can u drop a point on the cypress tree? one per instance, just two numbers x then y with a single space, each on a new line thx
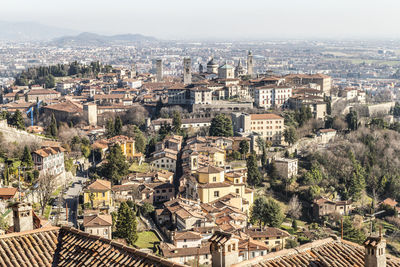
27 157
17 120
110 129
118 126
253 174
126 225
53 130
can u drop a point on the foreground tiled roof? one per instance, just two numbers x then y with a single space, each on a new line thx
321 253
70 247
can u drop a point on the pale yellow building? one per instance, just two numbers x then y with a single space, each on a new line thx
98 195
212 183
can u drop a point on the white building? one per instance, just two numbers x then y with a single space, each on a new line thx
286 168
272 96
49 160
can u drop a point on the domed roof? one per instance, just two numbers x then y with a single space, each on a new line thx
226 66
211 62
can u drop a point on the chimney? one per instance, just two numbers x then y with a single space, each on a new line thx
23 220
375 251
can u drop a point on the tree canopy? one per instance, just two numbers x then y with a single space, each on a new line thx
221 125
254 176
126 225
266 212
116 166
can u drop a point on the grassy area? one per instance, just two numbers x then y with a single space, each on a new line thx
47 211
144 167
146 239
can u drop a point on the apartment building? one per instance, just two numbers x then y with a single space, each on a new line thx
269 126
272 96
49 160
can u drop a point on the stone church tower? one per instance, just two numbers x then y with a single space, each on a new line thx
250 64
187 71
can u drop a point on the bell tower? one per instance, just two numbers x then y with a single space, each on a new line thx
187 71
159 67
250 64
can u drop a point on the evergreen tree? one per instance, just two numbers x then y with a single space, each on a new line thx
352 120
357 183
126 225
17 120
27 157
264 158
257 211
221 125
118 126
165 130
159 106
328 105
244 147
116 166
290 135
329 122
272 214
176 122
273 171
351 233
151 146
266 212
254 176
140 140
52 129
110 129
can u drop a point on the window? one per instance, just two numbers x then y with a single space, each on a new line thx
237 190
216 193
214 179
104 194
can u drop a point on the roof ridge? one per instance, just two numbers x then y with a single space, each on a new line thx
39 230
285 252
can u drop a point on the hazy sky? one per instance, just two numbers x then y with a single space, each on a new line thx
184 19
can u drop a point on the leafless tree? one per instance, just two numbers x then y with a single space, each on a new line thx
294 207
46 187
135 115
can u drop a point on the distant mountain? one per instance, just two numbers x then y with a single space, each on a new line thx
29 31
87 38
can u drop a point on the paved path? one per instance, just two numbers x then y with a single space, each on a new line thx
71 199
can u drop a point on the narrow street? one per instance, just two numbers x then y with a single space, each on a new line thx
71 199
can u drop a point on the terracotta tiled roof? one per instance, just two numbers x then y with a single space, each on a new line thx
43 92
66 246
8 191
97 220
321 253
267 116
100 185
267 232
210 169
67 106
172 252
187 235
390 202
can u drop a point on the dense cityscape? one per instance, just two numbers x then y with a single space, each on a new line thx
129 150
